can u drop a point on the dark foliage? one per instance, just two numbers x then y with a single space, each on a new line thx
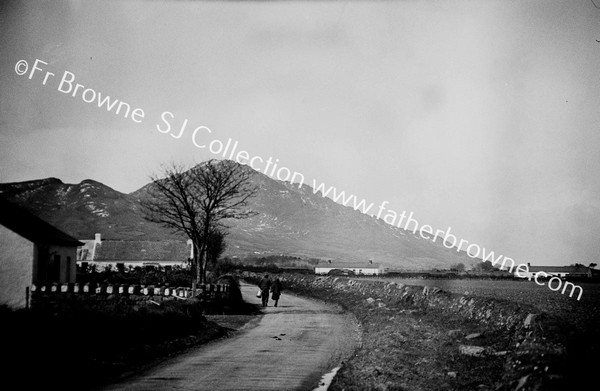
81 344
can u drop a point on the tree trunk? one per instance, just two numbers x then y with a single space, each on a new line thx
198 271
204 248
196 268
204 258
201 277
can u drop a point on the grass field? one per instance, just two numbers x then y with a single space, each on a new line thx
584 314
582 317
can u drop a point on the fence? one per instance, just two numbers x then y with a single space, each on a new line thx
213 291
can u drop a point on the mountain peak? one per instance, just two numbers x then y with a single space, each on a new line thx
289 220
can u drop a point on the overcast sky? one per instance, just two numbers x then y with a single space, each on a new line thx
483 116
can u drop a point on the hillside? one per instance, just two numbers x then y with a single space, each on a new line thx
289 220
84 209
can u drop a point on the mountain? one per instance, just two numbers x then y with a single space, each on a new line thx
290 220
84 209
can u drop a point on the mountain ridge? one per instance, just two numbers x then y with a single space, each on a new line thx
292 220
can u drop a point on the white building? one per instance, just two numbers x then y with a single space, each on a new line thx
32 251
367 269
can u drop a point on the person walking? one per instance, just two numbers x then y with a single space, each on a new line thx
276 290
265 285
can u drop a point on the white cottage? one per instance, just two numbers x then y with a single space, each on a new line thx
144 253
32 251
367 269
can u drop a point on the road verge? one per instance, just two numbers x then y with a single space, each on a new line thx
423 338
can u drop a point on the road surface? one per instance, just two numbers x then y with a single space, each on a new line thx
288 348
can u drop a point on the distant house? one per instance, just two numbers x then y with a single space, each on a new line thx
122 253
558 271
32 251
370 268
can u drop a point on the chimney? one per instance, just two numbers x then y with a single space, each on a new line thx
97 238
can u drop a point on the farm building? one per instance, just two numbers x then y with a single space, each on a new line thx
370 268
124 253
558 271
32 252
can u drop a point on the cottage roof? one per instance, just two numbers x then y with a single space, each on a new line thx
32 227
141 251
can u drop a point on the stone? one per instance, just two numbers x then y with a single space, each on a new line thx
430 290
473 336
452 374
370 300
529 320
469 350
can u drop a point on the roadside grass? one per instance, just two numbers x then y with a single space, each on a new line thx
419 351
407 345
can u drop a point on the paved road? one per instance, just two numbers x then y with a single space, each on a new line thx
288 348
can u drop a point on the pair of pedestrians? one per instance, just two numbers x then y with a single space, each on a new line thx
267 285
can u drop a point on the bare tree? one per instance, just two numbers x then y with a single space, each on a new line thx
196 201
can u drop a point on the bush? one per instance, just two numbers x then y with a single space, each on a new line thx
172 276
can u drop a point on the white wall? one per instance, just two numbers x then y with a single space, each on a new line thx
16 267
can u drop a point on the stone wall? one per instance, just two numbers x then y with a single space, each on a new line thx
492 312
